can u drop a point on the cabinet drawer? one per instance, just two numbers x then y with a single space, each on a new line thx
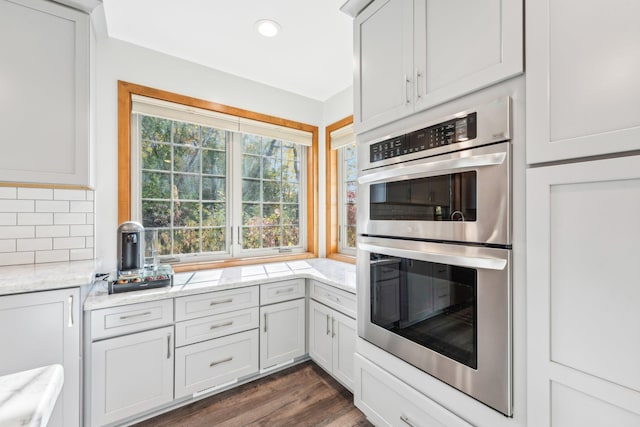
109 322
215 362
202 305
206 328
342 301
281 291
387 401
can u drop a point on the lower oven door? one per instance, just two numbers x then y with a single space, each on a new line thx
444 308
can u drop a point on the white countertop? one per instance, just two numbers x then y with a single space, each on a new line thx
16 279
339 274
27 398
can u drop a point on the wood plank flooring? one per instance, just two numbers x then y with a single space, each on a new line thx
303 395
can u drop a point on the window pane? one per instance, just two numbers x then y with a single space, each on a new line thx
214 214
271 214
351 169
271 237
351 214
251 144
291 171
214 188
156 156
186 186
214 162
251 214
156 185
352 187
213 240
347 175
351 237
250 190
271 168
271 191
290 192
186 214
271 147
213 138
251 238
155 129
290 214
186 241
290 236
186 133
164 242
156 214
250 166
186 159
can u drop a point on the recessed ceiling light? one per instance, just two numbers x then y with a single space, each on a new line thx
268 28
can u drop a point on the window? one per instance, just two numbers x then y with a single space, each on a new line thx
341 190
217 187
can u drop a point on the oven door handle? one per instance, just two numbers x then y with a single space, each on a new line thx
412 171
485 263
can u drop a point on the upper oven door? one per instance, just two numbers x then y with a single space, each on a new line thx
464 196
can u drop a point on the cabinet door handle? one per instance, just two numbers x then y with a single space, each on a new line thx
406 420
129 316
70 324
406 89
228 359
284 291
265 322
333 327
169 346
221 302
418 77
221 325
328 331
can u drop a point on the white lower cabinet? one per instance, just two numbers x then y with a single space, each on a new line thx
215 362
332 340
39 329
131 374
387 401
282 332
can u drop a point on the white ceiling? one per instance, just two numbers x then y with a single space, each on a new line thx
312 55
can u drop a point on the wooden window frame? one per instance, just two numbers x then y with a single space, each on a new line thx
125 92
332 194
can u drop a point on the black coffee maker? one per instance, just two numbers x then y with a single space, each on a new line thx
130 248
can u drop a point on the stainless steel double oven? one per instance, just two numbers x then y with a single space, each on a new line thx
434 249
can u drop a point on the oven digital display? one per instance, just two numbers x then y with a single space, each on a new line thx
445 133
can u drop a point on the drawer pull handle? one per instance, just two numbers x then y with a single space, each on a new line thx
228 359
336 299
406 420
129 316
221 325
284 291
225 301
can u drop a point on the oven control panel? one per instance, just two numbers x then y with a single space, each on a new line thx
445 133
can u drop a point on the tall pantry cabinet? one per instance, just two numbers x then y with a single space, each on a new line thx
583 115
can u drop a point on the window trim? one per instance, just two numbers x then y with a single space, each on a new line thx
332 186
125 92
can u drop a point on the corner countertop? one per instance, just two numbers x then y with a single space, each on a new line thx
335 273
16 279
27 398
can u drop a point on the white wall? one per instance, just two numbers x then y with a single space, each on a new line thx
117 60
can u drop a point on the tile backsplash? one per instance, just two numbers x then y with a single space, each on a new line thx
39 225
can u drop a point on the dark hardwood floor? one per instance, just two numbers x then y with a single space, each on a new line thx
303 395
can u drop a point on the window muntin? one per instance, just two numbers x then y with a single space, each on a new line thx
347 198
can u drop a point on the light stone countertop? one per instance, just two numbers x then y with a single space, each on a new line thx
339 274
17 279
27 398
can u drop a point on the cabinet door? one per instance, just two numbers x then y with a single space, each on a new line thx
131 374
344 347
282 332
43 328
462 46
320 340
583 294
383 51
45 93
583 59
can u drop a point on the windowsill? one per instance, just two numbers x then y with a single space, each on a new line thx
341 257
207 265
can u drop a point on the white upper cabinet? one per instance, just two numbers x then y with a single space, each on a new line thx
413 55
44 82
583 59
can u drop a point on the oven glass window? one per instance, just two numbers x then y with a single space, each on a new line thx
439 198
434 305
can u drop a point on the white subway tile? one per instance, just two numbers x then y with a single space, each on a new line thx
8 219
35 244
89 194
80 254
35 193
35 219
84 206
91 218
16 205
52 206
17 232
81 230
89 242
15 258
64 194
51 256
8 192
68 242
52 231
69 218
8 245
